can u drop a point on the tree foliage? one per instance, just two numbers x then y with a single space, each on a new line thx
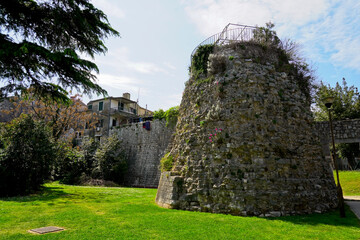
169 115
62 118
346 105
26 156
346 102
40 42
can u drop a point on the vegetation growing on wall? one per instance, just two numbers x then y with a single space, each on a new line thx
200 59
166 163
289 60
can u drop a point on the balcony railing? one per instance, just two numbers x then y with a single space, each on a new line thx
124 109
231 33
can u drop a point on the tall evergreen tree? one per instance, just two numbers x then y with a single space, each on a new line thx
39 45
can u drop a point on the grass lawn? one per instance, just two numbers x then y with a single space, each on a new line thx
350 182
130 213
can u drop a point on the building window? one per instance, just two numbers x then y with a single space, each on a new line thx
100 123
114 122
133 110
90 107
101 106
78 135
120 106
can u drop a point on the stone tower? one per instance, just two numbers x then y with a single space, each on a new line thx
244 142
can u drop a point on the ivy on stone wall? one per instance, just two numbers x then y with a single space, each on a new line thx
200 59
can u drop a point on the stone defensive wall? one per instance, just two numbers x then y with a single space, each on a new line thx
346 131
144 149
245 143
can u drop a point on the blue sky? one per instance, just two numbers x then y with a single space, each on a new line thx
151 59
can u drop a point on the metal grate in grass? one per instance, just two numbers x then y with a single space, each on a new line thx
44 230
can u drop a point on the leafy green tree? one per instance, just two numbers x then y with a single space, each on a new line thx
159 114
26 156
169 115
39 45
346 103
346 106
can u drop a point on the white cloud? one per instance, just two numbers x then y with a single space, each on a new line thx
327 29
335 38
119 60
211 16
170 100
143 67
122 83
169 65
109 8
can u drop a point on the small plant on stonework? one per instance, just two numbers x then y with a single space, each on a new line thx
231 58
166 163
216 136
202 123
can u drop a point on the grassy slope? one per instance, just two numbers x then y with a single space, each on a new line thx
350 182
129 213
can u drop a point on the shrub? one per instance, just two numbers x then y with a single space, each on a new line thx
26 156
88 150
166 163
73 165
112 160
70 165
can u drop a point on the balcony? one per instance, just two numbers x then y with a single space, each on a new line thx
124 111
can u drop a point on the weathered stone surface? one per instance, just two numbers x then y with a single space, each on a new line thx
144 150
245 142
172 186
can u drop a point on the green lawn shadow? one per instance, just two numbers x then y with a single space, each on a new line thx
44 194
329 218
